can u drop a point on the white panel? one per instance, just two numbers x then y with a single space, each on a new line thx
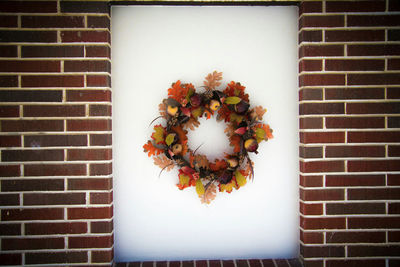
153 46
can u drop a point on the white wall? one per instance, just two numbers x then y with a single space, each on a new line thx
152 47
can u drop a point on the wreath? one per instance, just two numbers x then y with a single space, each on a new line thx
181 111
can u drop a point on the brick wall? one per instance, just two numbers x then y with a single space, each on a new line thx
55 135
349 94
56 185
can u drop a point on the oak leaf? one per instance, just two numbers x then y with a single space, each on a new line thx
218 165
192 124
260 111
164 163
209 194
201 161
178 91
229 130
151 149
212 80
158 135
162 108
235 141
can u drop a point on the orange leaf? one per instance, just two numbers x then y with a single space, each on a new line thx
212 80
151 149
218 165
266 128
178 91
236 89
181 133
235 142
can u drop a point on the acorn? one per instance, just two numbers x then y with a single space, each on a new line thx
177 149
214 104
195 100
225 177
242 107
172 110
251 145
233 162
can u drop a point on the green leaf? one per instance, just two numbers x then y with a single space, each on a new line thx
236 117
232 100
158 135
199 188
240 179
197 112
260 134
170 139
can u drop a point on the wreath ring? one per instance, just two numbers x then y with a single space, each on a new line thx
181 111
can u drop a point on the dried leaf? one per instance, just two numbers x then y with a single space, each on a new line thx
178 91
235 142
199 187
260 111
240 179
158 135
230 130
181 133
249 168
201 161
192 124
164 163
212 80
228 187
151 149
162 108
218 165
209 194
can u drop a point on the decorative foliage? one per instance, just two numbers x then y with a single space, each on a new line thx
182 110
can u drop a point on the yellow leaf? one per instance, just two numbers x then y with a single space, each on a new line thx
236 117
199 187
197 112
158 134
184 179
232 100
170 138
260 134
240 179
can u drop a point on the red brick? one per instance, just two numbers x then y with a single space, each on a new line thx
54 198
356 93
32 126
372 79
321 21
90 213
101 227
373 108
8 81
356 263
101 198
355 180
322 79
199 263
30 96
55 169
90 242
98 22
54 111
394 151
310 36
239 263
393 35
310 65
98 51
311 237
54 140
354 64
10 170
321 108
28 6
310 7
354 35
394 236
393 93
32 155
373 165
225 263
32 243
323 223
394 208
29 36
55 228
52 81
374 222
393 179
100 139
8 21
373 50
52 21
102 256
211 263
311 209
89 95
100 169
355 122
321 251
310 152
8 51
100 110
394 64
10 141
310 94
9 200
321 50
85 36
89 125
322 166
9 111
369 250
255 263
85 7
321 194
10 258
393 122
90 184
98 81
376 137
32 214
311 123
354 151
355 237
394 5
374 193
56 257
24 184
51 51
373 20
321 137
10 229
355 6
87 66
312 263
89 154
311 180
355 208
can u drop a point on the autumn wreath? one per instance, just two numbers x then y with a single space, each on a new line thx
182 109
